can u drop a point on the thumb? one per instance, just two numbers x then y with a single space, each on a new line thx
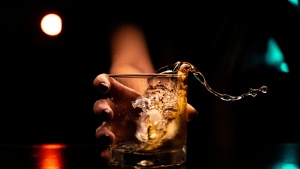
191 113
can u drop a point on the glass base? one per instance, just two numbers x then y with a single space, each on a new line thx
141 160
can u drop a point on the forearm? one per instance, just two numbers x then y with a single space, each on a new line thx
129 52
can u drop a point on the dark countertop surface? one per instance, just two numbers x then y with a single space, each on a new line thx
62 156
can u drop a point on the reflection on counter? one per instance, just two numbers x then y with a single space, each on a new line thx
50 156
65 156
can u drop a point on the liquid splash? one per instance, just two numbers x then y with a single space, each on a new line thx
158 120
183 68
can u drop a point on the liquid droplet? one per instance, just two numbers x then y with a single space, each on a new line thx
183 68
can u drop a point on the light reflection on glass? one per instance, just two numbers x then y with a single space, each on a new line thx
50 156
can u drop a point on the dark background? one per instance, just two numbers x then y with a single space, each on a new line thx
46 82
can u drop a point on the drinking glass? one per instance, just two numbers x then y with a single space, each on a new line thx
149 121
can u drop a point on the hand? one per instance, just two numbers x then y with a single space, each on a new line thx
112 103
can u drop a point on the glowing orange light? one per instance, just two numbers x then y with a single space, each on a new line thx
51 24
50 156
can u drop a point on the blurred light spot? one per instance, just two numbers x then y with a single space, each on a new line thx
51 24
50 156
284 67
289 157
286 166
295 2
274 57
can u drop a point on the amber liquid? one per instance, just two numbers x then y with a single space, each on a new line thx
162 142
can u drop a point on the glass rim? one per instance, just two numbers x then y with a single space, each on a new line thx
144 75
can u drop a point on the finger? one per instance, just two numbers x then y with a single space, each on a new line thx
120 91
102 83
113 88
104 135
102 109
105 138
105 154
191 112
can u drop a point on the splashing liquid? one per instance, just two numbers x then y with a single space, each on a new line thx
183 68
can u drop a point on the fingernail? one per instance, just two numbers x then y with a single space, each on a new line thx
106 139
103 87
105 115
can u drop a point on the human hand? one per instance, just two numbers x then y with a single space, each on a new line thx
113 103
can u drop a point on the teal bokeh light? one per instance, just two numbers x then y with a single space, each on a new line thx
286 166
284 67
288 158
295 2
274 57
